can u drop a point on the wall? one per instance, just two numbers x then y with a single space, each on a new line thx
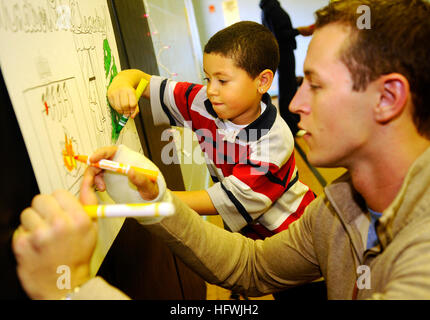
301 13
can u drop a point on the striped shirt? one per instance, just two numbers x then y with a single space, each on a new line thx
255 177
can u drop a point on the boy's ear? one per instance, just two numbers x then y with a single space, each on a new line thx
394 93
265 79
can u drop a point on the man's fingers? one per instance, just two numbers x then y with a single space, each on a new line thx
20 243
71 206
30 220
100 182
46 206
87 195
147 189
103 153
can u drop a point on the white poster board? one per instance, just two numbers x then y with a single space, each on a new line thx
57 58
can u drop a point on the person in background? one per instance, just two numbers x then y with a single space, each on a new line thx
278 21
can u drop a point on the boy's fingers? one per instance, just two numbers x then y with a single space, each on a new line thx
136 111
111 100
132 99
117 102
125 103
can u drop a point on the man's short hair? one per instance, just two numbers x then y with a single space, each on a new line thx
397 41
251 45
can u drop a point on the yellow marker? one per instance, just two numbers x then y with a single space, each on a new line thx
157 209
117 167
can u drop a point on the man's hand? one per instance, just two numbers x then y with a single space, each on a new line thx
53 245
148 190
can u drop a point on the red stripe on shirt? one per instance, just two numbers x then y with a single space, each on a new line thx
181 99
260 183
308 197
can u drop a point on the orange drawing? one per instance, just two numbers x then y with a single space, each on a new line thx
68 155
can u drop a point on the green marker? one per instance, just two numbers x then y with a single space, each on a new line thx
123 120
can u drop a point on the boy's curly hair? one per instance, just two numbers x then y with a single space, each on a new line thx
251 45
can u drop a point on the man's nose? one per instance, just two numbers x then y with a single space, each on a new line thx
300 104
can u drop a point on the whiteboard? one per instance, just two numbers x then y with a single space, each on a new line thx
57 58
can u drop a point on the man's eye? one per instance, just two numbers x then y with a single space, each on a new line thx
223 81
207 79
314 87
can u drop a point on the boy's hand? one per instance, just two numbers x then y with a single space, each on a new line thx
53 245
148 190
122 97
122 94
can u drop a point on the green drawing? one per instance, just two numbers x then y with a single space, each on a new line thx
110 72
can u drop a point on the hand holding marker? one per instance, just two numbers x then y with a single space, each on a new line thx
123 120
117 167
126 210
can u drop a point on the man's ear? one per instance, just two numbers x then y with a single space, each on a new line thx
264 81
394 93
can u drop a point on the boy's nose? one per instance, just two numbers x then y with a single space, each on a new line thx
211 90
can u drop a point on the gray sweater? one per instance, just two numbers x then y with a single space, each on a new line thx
329 241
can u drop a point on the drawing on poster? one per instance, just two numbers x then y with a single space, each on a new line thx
69 154
60 58
110 72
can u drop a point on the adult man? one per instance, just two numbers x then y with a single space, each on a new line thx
364 104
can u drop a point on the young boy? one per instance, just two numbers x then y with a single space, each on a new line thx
256 188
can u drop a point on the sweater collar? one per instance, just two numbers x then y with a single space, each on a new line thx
411 203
